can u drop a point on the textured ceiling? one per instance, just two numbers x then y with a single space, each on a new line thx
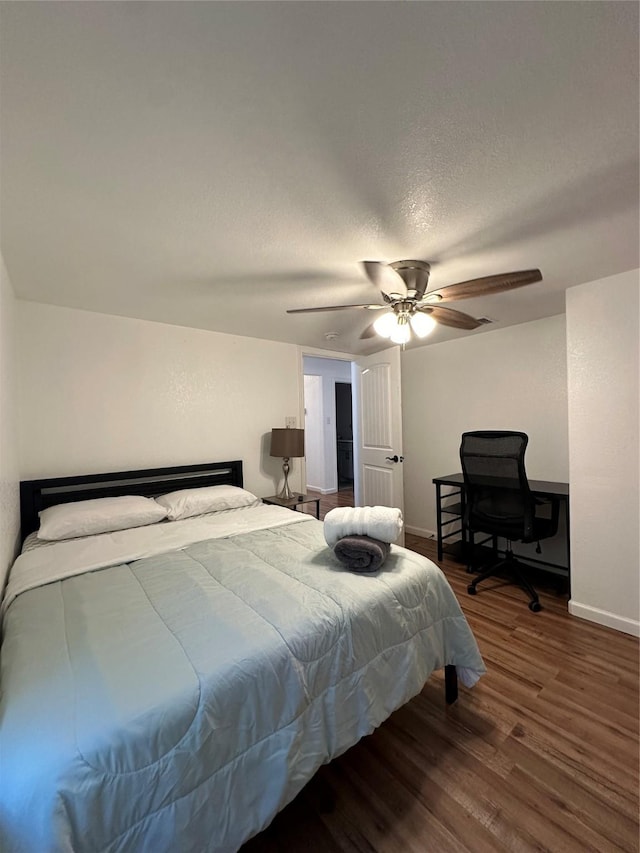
213 164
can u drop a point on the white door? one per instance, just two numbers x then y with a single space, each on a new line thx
378 439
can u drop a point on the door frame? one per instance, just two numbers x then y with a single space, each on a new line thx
314 352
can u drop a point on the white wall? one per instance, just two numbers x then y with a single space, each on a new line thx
331 371
603 351
9 472
314 431
513 378
100 393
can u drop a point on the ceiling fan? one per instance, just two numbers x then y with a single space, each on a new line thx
403 287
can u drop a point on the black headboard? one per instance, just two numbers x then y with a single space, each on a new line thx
36 495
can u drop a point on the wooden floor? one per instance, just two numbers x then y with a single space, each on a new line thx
342 498
542 755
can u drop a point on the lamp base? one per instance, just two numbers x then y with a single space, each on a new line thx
285 494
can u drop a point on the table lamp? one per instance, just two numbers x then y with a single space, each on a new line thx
287 443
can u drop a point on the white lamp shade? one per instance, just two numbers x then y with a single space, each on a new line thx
422 324
401 334
385 324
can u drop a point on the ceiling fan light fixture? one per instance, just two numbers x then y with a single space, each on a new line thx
411 309
422 324
402 332
386 324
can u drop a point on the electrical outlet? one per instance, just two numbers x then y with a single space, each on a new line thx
290 423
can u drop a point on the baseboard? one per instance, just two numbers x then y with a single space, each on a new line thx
603 617
321 491
420 531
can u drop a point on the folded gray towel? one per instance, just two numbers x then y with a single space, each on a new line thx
361 553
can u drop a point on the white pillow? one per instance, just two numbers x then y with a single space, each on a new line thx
101 515
188 502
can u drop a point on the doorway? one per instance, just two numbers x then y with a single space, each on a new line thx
329 419
376 427
344 435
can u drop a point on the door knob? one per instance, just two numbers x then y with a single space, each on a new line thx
394 458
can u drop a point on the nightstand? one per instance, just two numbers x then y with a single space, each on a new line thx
294 502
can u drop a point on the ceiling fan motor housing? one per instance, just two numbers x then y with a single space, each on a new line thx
415 274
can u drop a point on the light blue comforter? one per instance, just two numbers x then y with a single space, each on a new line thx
178 702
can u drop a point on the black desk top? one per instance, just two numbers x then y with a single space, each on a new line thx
538 487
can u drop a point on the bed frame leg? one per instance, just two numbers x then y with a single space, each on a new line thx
450 684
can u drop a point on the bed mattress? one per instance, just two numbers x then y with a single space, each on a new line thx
178 700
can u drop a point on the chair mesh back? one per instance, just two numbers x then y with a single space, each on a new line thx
498 497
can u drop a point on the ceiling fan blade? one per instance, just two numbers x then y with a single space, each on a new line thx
449 317
485 286
332 308
385 278
369 332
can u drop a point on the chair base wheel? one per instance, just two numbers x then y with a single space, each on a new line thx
472 590
535 606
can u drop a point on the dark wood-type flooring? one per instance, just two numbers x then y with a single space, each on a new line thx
542 755
342 498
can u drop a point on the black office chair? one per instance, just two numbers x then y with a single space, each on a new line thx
499 502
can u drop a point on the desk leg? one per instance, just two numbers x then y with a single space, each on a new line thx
568 535
439 519
450 684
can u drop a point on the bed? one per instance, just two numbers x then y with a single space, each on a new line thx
170 687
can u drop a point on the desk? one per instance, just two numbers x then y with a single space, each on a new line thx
455 511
